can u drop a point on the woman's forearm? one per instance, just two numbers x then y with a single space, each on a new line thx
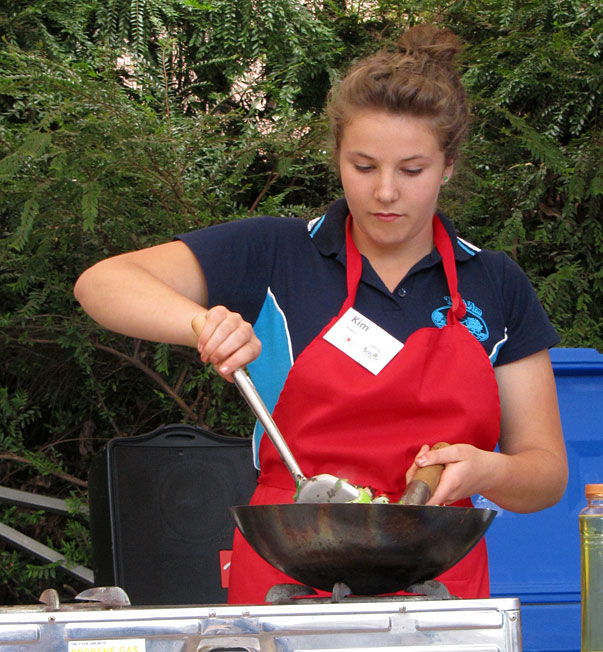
528 481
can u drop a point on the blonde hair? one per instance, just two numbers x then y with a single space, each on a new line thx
418 79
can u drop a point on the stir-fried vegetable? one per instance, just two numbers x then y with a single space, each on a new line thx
367 495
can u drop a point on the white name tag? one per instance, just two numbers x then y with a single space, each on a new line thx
363 340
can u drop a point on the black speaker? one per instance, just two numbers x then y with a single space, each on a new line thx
159 517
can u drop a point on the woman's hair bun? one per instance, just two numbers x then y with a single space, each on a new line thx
431 42
419 79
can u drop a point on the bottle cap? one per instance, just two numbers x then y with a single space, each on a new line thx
593 489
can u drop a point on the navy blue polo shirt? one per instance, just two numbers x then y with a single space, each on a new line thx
287 277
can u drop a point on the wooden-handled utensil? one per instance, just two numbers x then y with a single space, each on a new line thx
424 482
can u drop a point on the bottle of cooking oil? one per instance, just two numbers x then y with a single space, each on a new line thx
591 538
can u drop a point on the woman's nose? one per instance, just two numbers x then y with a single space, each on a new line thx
386 190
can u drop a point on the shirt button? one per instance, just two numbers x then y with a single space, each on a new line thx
401 292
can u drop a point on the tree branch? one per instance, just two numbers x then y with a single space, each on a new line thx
259 198
63 476
136 362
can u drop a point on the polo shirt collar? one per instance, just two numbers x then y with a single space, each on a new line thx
328 234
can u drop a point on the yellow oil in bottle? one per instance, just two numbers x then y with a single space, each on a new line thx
591 535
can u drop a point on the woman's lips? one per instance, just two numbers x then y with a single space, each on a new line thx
387 217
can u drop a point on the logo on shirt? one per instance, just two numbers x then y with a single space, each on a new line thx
472 320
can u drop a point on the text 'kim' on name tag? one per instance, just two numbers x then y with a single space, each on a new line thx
363 341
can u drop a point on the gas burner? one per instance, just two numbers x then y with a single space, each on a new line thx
294 593
99 597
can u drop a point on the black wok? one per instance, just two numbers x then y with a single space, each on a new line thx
373 548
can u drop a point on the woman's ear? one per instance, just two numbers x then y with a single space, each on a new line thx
447 174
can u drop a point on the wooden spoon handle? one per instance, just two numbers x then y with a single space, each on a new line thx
424 482
198 322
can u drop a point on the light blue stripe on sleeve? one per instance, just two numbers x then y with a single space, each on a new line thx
498 346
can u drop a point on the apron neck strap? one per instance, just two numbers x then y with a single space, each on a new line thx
353 266
444 247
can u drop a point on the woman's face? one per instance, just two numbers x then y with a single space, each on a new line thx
392 167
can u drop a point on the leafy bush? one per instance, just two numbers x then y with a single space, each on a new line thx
92 166
533 180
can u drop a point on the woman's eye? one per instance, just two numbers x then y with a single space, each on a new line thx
364 168
413 171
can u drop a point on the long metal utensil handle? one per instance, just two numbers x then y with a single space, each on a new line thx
254 400
258 407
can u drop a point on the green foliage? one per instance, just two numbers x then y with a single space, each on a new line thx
531 180
15 414
123 123
204 52
97 159
113 175
23 578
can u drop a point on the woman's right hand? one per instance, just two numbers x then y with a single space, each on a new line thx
225 340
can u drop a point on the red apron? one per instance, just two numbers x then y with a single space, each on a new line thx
339 418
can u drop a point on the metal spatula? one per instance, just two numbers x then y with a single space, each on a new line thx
322 488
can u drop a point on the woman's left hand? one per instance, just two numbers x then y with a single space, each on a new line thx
530 472
465 471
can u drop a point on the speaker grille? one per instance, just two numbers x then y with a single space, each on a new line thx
168 499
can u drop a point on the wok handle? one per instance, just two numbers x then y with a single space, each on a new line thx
262 413
424 482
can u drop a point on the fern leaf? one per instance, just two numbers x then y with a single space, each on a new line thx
31 208
90 195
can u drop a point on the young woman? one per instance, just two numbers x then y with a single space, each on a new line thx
442 340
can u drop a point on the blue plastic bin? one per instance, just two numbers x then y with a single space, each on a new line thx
536 557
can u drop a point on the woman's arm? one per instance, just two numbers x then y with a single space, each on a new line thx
154 294
151 294
530 472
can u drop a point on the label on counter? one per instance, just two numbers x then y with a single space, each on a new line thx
118 645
